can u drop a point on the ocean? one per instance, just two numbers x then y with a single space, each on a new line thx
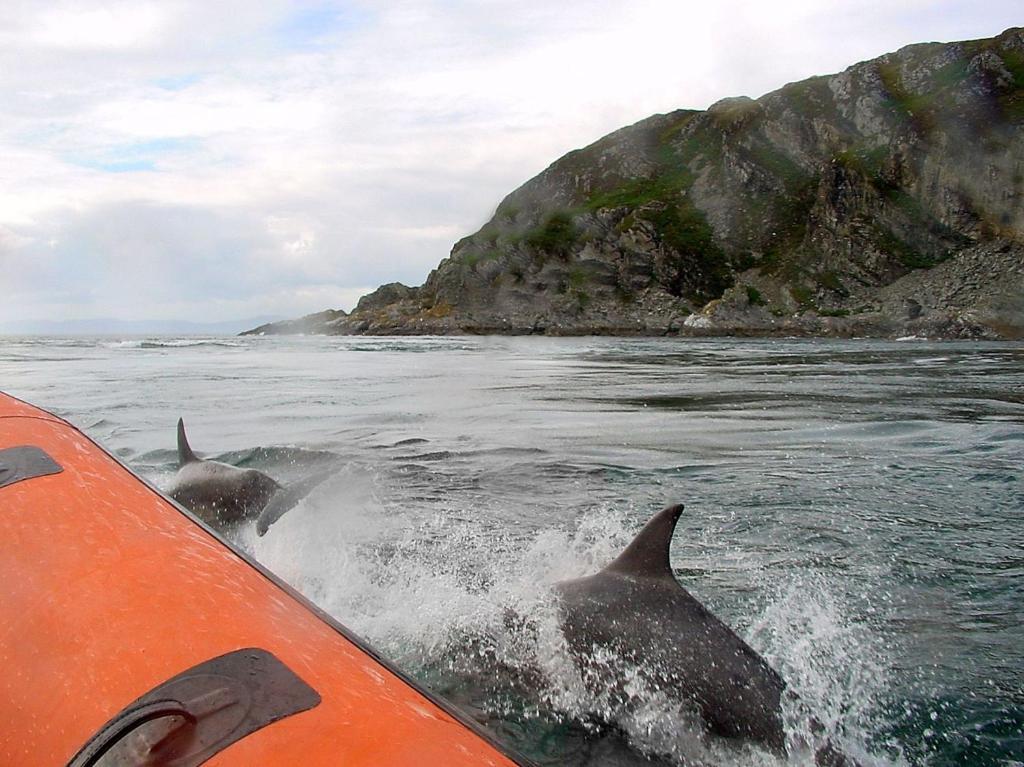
854 510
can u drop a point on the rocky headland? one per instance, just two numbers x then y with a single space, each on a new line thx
886 200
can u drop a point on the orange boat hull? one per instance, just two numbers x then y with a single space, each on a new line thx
110 589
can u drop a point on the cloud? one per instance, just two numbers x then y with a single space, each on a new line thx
250 158
110 26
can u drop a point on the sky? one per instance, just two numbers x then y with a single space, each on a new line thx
203 161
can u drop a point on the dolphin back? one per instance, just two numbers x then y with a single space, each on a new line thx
185 454
637 608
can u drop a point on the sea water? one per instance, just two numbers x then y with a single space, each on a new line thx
854 510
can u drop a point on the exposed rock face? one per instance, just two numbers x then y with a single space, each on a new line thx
887 199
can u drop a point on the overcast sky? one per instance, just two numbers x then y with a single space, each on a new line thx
205 160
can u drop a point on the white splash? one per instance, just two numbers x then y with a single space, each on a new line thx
429 592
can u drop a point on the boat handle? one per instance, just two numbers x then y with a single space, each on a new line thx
198 713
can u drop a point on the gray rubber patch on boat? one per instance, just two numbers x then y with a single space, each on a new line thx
25 462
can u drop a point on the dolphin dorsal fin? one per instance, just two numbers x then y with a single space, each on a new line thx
185 454
647 555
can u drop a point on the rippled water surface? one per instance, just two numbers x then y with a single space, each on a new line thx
855 510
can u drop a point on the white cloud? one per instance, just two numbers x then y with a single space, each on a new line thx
109 26
249 158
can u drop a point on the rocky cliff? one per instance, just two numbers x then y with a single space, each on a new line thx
884 200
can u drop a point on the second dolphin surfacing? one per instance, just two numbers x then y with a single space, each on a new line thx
225 496
218 493
638 612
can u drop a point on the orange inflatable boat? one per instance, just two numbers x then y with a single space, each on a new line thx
130 634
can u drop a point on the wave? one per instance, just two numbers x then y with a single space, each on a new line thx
414 344
172 343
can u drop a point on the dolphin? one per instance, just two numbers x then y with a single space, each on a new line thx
637 612
219 494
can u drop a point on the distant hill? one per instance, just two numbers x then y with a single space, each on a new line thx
128 327
884 200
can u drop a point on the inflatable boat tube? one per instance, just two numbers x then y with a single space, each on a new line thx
130 634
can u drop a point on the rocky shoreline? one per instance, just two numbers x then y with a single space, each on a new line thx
978 294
